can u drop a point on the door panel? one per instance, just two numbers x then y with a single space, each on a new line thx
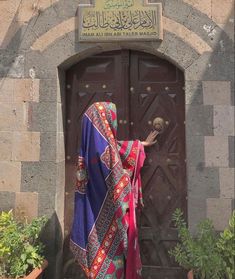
159 94
143 87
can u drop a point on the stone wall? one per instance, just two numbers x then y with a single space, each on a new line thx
38 42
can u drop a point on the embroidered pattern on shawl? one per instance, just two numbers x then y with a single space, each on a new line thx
106 241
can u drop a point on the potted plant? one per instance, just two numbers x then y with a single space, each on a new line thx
206 255
21 252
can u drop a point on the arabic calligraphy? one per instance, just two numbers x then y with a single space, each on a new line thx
119 20
115 20
118 4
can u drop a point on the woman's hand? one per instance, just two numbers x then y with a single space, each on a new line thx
150 140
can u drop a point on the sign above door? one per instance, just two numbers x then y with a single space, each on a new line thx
120 20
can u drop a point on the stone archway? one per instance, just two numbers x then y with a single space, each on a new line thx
188 43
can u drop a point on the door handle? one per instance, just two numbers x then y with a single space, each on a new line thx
159 124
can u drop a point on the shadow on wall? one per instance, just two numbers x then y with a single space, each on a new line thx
53 240
12 47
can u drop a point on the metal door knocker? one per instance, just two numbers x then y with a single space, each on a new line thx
159 124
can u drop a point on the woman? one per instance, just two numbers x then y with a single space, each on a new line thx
104 233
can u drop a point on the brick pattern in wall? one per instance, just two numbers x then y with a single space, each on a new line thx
17 143
217 149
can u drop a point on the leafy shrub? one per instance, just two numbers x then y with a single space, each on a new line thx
209 255
226 246
20 248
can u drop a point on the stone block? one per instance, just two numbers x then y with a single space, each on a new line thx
195 151
60 192
202 25
13 116
228 28
65 9
46 203
222 11
39 177
203 6
61 47
231 147
60 154
49 16
224 120
227 183
60 118
7 201
48 146
26 204
203 182
59 31
216 151
29 8
219 211
6 90
177 10
14 36
11 63
16 68
42 65
208 66
199 120
18 42
216 92
26 10
44 117
10 176
8 11
193 92
26 90
233 95
5 146
7 31
190 38
45 4
26 146
180 52
47 90
196 212
160 47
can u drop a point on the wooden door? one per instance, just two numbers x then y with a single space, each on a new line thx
143 87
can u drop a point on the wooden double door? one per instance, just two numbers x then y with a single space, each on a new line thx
143 87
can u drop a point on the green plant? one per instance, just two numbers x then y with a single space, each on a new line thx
20 247
226 246
199 253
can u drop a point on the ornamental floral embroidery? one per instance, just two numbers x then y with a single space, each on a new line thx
109 157
81 175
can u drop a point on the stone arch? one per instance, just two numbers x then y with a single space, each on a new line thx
198 64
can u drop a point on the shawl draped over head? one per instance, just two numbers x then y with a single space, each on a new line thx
108 189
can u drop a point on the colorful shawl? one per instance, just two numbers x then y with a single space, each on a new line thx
104 233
